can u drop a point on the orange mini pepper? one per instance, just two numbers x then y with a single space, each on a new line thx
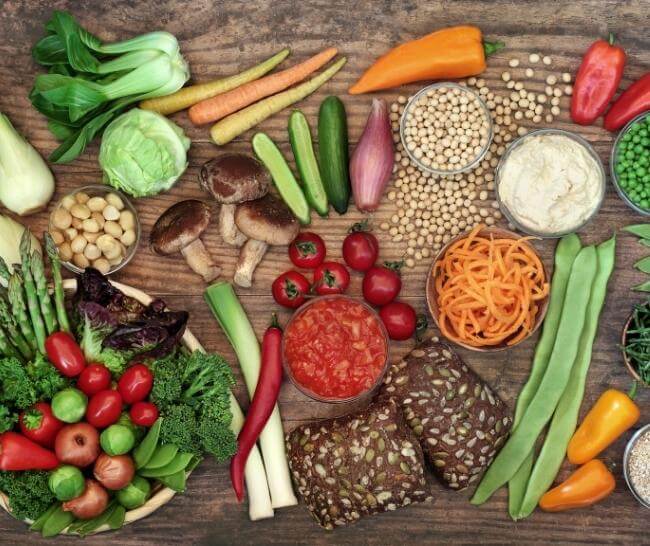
449 53
611 416
589 484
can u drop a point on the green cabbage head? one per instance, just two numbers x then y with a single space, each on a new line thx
143 153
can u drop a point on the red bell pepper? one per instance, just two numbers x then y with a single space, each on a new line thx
634 100
19 453
597 80
264 400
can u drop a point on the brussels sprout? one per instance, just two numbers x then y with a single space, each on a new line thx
138 431
69 405
66 482
135 494
117 440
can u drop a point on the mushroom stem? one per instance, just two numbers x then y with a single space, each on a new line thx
250 256
197 257
227 227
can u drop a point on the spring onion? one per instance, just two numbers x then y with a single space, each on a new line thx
230 314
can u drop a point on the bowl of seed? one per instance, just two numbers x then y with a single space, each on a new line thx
446 129
636 465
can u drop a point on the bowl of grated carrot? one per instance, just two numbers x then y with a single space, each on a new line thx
487 289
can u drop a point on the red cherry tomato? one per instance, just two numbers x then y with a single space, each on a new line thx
289 289
399 319
381 285
62 351
39 424
360 250
104 408
135 383
331 278
143 413
94 378
307 250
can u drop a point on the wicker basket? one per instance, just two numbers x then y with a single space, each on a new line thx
161 495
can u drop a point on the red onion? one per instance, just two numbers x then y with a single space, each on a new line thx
371 165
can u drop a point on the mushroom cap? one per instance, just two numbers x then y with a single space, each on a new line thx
267 219
181 224
235 178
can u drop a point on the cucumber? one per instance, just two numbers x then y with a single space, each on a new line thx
333 152
269 154
303 152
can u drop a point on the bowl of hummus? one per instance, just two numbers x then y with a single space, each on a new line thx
550 183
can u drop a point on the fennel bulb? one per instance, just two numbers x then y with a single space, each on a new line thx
26 182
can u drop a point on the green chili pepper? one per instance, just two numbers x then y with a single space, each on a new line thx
565 254
555 378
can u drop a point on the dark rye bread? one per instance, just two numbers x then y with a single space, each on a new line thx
459 421
357 465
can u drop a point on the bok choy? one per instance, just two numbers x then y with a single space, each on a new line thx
227 309
90 82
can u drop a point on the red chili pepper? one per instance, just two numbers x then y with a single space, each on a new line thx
264 399
20 453
634 100
597 80
65 354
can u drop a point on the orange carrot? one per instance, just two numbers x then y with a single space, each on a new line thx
488 290
222 105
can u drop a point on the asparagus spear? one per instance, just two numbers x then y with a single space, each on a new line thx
19 309
4 271
38 272
7 349
59 294
8 322
30 291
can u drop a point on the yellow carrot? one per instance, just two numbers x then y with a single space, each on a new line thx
236 124
186 97
225 104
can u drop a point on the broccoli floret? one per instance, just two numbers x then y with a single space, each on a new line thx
207 379
215 434
15 386
7 419
167 381
180 428
28 492
45 378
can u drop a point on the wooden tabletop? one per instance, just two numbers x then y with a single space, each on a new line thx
221 38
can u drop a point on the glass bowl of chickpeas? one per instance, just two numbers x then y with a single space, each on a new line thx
446 129
95 226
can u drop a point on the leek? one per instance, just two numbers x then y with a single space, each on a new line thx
227 309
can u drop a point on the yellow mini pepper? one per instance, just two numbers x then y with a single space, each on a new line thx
611 416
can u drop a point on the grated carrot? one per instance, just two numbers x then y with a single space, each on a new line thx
489 289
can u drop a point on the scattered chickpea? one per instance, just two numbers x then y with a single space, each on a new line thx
513 63
505 76
551 79
547 60
533 58
557 92
529 72
566 77
568 90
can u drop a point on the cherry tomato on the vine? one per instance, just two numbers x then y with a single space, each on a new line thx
399 319
331 278
290 289
94 378
381 284
104 408
307 250
62 351
135 383
39 424
143 413
360 249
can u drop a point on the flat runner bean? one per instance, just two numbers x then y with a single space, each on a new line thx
550 390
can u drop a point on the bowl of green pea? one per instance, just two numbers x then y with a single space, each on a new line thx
630 164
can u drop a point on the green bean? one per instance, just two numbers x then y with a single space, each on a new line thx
178 463
541 407
565 253
143 453
564 420
640 230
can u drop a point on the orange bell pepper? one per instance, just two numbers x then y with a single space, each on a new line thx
611 416
589 484
450 53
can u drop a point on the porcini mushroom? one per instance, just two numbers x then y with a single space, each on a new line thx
179 229
233 179
266 221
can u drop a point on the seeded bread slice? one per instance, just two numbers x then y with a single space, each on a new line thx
357 465
458 420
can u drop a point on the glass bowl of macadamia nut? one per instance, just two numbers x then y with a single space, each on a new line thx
95 226
446 129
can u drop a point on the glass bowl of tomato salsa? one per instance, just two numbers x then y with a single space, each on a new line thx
335 349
